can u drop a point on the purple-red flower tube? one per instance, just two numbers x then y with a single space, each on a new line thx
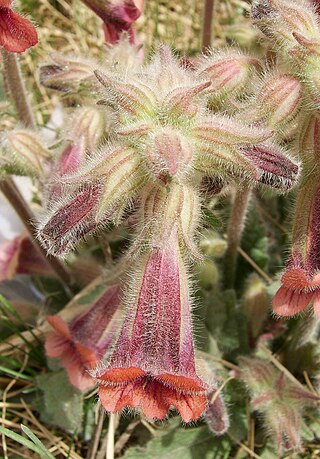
82 343
153 363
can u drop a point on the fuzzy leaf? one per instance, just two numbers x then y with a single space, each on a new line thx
59 402
183 444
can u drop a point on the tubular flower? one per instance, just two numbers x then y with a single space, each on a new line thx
117 15
153 365
300 283
20 256
16 33
81 343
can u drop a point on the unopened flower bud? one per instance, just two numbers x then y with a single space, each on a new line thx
89 123
170 152
256 304
216 415
207 274
212 244
280 19
23 152
279 99
229 71
67 73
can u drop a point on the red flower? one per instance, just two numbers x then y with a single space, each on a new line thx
153 363
20 256
82 343
118 16
301 280
16 33
300 286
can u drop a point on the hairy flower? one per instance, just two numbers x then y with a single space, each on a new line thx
16 33
153 365
117 15
20 256
229 71
81 343
300 283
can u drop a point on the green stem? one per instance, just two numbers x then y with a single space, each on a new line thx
234 234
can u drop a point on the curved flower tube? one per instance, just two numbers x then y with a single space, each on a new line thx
82 343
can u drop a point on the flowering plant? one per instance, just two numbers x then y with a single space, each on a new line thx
161 170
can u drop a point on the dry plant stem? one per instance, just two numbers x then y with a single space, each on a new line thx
207 25
235 229
18 93
13 78
113 422
15 198
94 444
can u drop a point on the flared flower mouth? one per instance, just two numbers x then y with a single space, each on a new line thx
81 343
17 33
75 357
297 291
154 394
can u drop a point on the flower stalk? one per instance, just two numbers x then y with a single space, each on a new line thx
207 25
234 234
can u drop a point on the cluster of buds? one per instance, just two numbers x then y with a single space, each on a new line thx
293 27
280 401
165 143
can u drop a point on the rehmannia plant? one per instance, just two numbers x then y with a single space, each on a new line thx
164 169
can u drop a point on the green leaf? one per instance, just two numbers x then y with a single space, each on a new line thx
37 442
183 443
32 445
58 402
226 322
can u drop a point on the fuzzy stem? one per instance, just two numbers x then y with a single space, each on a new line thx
17 201
13 78
234 234
17 91
207 25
